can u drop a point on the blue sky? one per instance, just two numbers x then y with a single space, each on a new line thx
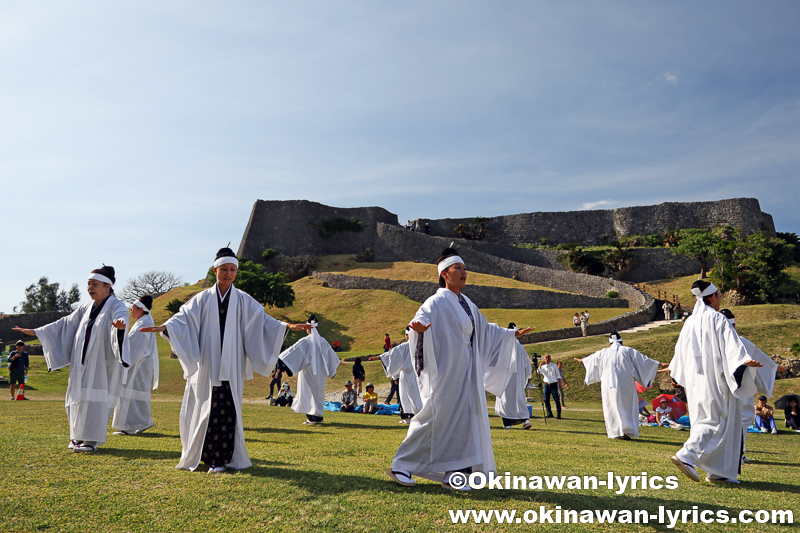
139 134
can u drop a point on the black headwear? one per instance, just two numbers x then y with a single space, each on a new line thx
147 300
225 252
107 271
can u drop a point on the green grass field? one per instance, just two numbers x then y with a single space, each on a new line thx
332 477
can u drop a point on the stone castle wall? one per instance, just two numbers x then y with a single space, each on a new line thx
288 228
482 296
591 227
27 321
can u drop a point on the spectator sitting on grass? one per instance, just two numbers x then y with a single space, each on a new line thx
370 398
765 421
664 416
285 396
349 398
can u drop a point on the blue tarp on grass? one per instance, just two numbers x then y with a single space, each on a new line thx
382 408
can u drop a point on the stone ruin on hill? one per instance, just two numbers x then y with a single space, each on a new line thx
303 228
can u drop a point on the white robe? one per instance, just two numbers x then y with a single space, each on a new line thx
513 403
707 354
132 412
94 384
252 342
451 431
618 368
398 362
312 360
764 381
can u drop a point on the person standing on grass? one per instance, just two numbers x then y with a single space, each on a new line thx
512 405
387 343
458 356
398 362
92 342
18 364
618 368
552 379
359 374
132 412
220 336
713 365
313 360
584 318
764 379
562 383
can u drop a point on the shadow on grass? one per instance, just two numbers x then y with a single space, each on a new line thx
140 454
770 486
757 462
321 483
283 430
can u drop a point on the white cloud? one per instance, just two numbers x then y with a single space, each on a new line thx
600 203
669 77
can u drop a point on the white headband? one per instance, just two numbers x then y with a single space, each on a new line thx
223 260
100 277
711 289
731 321
450 261
612 340
139 304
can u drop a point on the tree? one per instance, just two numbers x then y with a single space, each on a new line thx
45 296
698 244
751 265
620 256
153 282
267 289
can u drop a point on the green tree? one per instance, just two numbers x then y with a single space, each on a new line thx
267 289
174 305
751 265
45 296
620 256
698 244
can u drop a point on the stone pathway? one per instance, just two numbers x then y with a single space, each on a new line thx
650 325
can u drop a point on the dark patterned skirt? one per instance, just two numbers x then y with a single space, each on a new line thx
221 432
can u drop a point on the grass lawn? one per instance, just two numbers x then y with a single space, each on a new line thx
332 477
403 270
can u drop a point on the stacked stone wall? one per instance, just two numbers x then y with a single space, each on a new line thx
27 321
482 296
592 227
288 227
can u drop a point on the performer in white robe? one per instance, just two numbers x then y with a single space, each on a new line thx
398 362
91 340
618 368
764 379
313 360
512 405
456 352
220 336
711 363
132 412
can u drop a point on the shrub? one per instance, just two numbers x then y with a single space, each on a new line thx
330 226
795 348
174 305
268 254
612 294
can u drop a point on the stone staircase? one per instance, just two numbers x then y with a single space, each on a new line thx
650 325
